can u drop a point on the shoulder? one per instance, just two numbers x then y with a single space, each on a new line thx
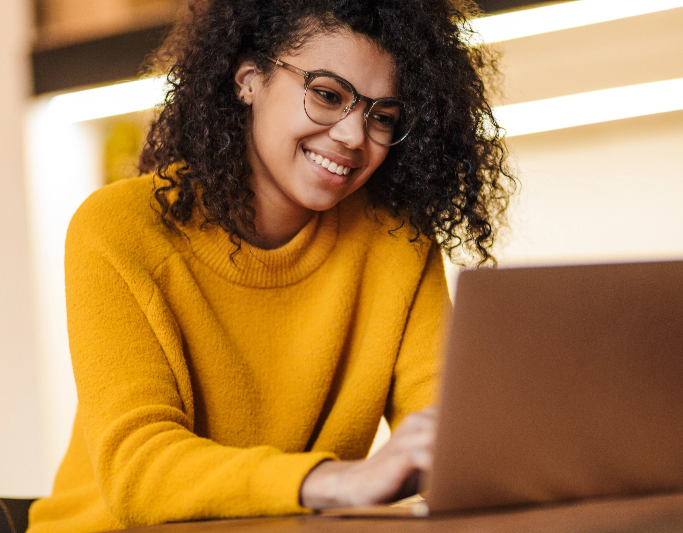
119 202
120 218
383 232
384 243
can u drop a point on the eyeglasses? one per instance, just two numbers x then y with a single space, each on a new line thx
329 99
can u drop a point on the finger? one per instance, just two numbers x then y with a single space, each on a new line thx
411 452
432 411
421 459
416 423
417 420
410 440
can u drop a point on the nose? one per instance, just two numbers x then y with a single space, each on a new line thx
351 129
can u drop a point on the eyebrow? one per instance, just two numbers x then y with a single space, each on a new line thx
329 72
332 73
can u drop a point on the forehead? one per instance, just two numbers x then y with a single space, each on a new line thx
354 57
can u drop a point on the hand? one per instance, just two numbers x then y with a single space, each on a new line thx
392 473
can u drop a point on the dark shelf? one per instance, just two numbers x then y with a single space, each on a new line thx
94 62
491 6
122 56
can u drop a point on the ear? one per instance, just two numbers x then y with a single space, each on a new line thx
245 82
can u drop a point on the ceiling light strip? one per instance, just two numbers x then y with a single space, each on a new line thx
112 100
518 119
563 16
591 108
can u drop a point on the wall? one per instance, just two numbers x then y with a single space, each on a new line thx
604 192
21 468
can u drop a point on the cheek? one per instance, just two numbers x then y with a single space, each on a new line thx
283 129
374 160
377 156
272 133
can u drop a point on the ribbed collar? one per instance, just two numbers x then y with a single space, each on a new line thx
255 267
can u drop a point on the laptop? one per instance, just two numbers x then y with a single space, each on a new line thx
559 383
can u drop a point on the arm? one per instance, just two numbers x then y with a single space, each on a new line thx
136 400
384 476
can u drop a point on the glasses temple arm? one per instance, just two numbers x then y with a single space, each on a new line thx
291 68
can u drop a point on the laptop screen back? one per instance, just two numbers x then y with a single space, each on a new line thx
561 383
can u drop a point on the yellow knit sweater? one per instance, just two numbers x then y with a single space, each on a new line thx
209 388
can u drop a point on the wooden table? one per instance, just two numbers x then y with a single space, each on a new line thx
651 514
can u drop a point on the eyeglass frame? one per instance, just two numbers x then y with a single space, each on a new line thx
357 97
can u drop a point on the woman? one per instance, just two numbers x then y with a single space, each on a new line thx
241 318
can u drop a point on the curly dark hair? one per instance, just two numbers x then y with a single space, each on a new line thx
448 180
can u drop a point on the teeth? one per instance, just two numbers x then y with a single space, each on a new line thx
331 166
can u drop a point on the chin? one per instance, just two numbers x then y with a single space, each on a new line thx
321 201
321 206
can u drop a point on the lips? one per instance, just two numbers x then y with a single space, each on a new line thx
330 166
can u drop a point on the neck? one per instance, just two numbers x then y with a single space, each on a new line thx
276 225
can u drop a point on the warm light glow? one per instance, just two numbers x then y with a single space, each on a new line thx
108 101
518 119
564 16
591 108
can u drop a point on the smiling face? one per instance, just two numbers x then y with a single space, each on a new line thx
296 162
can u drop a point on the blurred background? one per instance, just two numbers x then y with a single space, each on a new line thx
592 100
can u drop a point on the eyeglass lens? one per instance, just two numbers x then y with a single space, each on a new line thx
328 99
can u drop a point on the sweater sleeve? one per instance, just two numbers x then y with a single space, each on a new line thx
415 376
135 397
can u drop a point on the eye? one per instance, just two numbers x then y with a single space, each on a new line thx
383 120
326 95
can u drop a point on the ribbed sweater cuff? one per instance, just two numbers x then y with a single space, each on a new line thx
284 488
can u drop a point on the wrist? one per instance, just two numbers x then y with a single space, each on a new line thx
323 487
